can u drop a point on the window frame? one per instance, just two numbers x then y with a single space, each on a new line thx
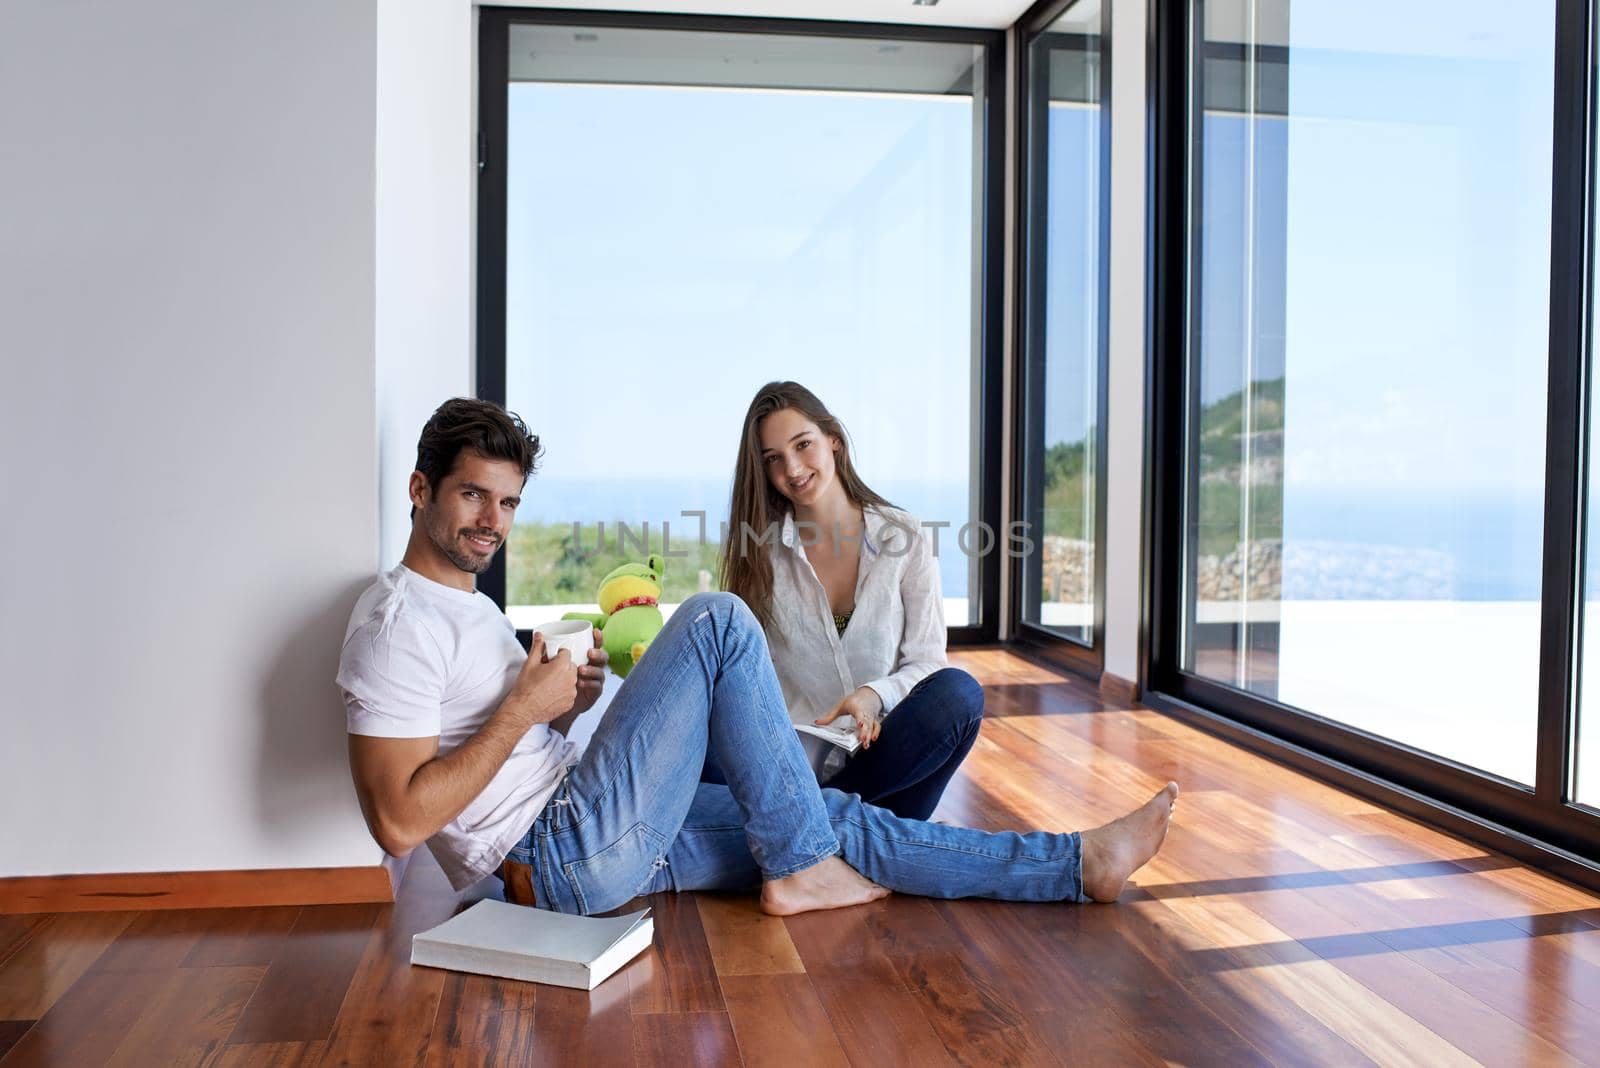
494 27
1541 824
1028 394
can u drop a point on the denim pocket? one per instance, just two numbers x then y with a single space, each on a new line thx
621 870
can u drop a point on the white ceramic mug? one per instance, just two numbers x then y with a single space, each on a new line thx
573 635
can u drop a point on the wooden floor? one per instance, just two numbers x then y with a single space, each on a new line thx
1284 923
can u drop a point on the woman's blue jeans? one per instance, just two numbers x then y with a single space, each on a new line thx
923 743
633 818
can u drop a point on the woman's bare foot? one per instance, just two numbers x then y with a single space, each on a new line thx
1123 846
831 884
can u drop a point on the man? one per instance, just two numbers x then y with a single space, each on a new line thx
457 739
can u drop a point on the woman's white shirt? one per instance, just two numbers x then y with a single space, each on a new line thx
896 634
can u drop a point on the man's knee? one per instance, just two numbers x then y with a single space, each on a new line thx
720 605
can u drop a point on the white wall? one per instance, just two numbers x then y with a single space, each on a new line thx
187 416
1125 422
427 174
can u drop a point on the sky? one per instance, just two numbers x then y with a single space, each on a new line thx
669 251
1388 245
1400 218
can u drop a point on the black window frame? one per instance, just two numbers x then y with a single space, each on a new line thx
1028 394
493 90
1543 824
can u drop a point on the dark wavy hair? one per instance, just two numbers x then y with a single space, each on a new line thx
481 426
747 562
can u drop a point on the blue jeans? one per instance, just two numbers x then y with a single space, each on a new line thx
633 818
923 742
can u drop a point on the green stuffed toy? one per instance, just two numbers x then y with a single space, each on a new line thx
629 618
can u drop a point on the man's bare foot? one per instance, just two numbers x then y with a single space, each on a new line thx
831 884
1123 846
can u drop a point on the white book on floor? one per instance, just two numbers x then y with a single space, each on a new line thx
515 942
844 737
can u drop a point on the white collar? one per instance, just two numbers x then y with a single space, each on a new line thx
872 523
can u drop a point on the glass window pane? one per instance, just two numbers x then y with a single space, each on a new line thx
691 215
1067 208
1368 388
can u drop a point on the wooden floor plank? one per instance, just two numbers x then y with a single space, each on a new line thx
163 939
58 951
998 667
677 972
14 931
1252 827
271 1055
1271 1021
876 1017
583 1026
1563 1023
703 1039
11 1032
973 993
1519 1015
300 994
1252 957
189 1018
242 937
483 1020
1446 1009
388 1012
1163 1013
744 940
877 1024
1018 945
1277 1014
86 1024
1097 1036
779 1020
971 1015
1357 933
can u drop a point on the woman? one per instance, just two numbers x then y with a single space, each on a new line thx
848 595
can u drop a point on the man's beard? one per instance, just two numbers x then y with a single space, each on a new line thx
464 559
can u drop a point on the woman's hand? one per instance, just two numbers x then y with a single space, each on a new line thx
866 708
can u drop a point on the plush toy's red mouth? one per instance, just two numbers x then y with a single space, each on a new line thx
631 602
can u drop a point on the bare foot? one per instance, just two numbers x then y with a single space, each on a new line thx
1123 846
832 884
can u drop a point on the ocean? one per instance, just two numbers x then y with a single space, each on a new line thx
1476 546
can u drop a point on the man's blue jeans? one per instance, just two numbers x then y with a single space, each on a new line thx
633 818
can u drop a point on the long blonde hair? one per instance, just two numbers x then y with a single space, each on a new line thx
756 502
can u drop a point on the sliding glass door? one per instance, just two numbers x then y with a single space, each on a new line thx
1366 436
1065 229
1367 375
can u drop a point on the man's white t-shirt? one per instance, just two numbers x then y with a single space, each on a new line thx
422 659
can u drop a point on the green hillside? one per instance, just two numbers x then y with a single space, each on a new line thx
544 565
1221 456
